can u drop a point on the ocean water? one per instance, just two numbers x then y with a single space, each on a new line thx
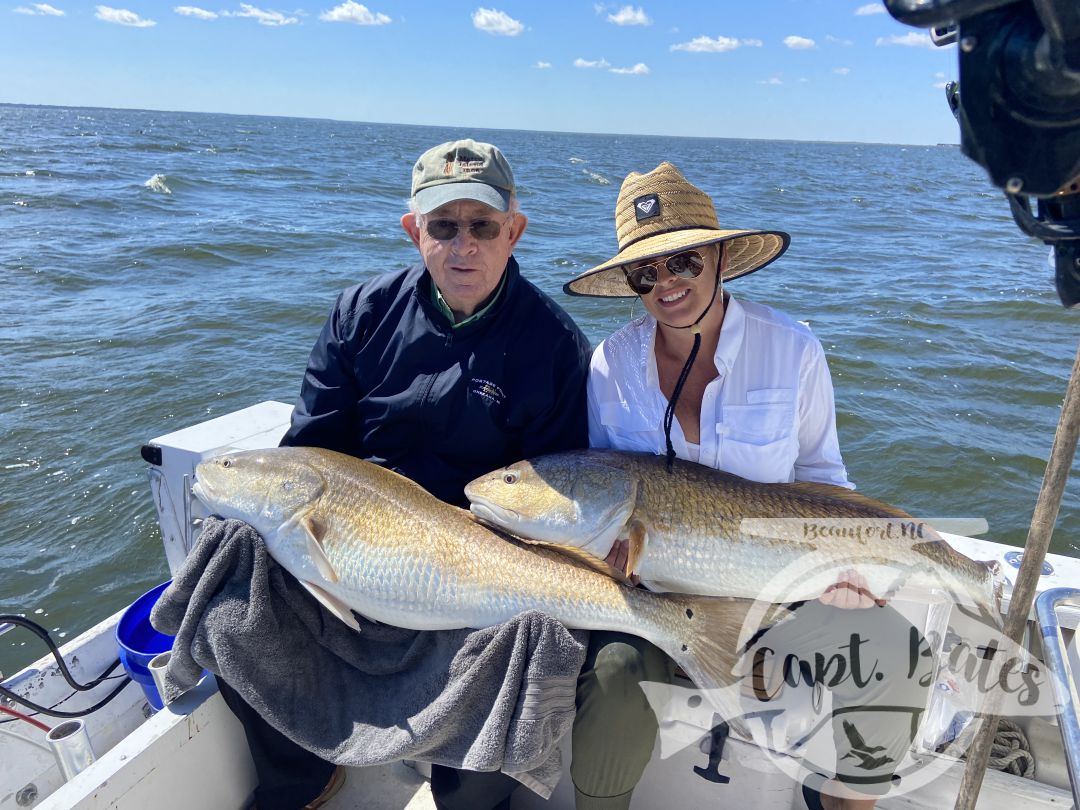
163 268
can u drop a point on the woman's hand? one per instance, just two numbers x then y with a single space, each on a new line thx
850 592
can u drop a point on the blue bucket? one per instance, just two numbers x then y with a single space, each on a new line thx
139 642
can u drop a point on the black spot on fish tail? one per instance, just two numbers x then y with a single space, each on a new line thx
689 613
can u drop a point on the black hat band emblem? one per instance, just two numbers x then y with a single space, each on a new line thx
647 207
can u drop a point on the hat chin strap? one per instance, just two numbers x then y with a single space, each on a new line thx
695 328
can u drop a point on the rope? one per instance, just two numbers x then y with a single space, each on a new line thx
695 327
669 414
1009 752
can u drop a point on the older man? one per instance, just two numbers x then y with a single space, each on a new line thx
442 371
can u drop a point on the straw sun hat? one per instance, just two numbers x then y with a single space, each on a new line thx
661 213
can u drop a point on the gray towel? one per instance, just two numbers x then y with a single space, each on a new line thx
500 698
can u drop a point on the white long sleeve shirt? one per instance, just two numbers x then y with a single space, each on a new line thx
768 417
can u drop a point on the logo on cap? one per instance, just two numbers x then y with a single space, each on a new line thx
465 166
647 207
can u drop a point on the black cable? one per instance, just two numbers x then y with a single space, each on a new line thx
104 676
43 634
53 712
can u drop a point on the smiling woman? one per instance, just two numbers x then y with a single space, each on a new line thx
735 386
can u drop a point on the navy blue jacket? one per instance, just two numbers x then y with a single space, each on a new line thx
389 380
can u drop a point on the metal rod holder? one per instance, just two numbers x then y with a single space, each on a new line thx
157 666
1056 657
71 746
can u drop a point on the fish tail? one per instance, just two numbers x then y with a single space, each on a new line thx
708 648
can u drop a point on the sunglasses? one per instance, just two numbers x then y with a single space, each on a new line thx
687 264
446 229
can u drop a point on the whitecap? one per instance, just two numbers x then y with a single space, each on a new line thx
596 178
29 173
157 183
577 160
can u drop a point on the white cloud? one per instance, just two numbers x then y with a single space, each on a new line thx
799 43
40 10
193 11
640 69
837 41
496 22
707 45
940 85
842 71
273 18
121 16
585 63
353 12
773 80
628 15
871 8
912 39
542 65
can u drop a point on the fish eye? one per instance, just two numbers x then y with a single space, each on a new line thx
226 462
511 478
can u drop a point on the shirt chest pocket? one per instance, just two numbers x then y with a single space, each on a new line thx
767 416
758 440
627 431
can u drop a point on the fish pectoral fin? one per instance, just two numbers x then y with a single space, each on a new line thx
316 531
333 604
639 539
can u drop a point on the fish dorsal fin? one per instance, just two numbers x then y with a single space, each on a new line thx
315 530
579 556
851 497
333 604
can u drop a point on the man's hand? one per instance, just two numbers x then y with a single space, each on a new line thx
851 592
619 556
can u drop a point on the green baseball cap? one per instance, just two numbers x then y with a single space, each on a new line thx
462 170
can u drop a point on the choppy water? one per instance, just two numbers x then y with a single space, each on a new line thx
162 268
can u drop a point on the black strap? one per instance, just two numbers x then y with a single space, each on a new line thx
695 327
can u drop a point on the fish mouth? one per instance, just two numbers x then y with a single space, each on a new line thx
495 515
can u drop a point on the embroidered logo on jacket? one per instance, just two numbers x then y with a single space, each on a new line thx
489 391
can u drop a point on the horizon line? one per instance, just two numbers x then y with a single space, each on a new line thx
463 127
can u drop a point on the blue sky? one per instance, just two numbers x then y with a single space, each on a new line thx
790 69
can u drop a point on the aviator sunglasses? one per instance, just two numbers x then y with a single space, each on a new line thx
446 229
687 264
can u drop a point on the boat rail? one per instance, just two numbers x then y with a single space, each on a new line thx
1056 657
